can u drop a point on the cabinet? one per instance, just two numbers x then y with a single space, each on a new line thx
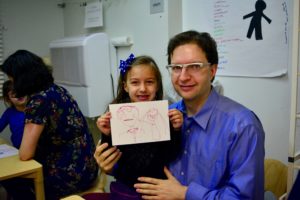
294 140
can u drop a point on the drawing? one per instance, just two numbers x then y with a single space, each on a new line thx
255 24
139 122
155 122
129 116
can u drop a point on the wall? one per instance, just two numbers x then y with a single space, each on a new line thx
149 32
31 25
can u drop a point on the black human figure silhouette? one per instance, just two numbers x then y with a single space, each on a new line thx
255 23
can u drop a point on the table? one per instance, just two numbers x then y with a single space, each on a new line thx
12 167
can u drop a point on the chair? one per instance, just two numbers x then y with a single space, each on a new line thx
275 177
98 187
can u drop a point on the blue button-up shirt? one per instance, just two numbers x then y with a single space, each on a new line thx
223 151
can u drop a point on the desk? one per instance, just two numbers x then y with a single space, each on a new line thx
12 167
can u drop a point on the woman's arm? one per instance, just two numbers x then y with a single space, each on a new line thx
30 139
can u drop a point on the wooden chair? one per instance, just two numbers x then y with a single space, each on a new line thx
276 177
98 187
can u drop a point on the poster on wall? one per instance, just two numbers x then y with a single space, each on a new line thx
93 15
252 35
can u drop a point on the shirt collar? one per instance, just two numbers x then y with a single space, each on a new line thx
203 115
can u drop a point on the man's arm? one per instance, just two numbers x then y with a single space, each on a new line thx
245 170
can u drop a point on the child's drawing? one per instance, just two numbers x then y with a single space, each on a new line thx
155 123
140 122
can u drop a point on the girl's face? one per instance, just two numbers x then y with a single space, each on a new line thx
17 101
141 83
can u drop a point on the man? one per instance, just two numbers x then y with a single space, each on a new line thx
223 142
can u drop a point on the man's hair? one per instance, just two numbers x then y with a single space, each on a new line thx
203 40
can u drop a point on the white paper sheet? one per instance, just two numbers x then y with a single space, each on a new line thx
6 150
141 122
93 15
238 54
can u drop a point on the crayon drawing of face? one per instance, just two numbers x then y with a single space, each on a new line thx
128 115
152 115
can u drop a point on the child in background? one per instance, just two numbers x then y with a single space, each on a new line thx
14 114
140 80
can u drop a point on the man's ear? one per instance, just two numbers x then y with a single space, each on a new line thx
213 70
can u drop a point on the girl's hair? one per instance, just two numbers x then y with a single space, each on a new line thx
122 95
6 88
30 74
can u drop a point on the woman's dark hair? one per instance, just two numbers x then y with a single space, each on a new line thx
122 95
6 88
28 72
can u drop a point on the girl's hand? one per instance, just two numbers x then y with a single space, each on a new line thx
176 118
103 123
107 158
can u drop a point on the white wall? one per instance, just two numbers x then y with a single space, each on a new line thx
149 32
270 100
30 25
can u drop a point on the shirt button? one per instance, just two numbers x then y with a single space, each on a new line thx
185 151
188 131
182 173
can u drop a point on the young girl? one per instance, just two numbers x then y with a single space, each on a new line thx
14 114
140 80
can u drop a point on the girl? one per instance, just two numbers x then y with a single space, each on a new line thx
140 80
14 114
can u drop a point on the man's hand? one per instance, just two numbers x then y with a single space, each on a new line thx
152 188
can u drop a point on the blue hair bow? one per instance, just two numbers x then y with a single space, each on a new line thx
125 64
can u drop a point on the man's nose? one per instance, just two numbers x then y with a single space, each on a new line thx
184 74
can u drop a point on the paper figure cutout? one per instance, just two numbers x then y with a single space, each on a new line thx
140 122
255 24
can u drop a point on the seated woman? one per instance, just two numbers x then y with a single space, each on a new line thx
55 133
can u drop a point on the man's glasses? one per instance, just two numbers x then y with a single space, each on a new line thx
191 68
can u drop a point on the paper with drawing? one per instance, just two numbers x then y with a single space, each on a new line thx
139 122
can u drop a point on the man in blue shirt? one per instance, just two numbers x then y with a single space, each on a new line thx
223 152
